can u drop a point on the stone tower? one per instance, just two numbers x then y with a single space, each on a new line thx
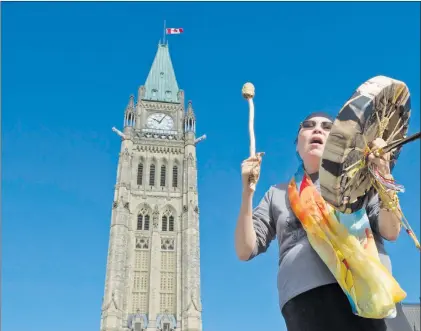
153 264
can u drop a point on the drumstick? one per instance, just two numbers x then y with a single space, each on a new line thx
398 143
248 94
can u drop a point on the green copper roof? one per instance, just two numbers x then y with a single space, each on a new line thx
161 84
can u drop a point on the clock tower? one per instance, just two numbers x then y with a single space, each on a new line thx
153 265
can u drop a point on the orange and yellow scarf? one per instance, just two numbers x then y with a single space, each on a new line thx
346 245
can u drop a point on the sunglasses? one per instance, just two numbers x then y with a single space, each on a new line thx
327 126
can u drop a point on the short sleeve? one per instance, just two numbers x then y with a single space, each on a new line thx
264 225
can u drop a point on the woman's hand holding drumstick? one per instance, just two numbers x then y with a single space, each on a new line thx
250 168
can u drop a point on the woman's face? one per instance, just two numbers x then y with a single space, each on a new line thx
312 138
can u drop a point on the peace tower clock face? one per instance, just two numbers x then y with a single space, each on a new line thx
160 121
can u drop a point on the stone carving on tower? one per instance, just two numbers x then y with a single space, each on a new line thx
153 265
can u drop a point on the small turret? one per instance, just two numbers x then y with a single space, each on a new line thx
141 93
190 119
180 96
129 117
129 114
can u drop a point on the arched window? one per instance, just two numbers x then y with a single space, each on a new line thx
152 175
143 220
163 170
167 221
175 176
130 119
140 174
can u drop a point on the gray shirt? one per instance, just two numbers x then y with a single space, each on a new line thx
300 268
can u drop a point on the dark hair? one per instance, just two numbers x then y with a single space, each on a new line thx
319 114
314 114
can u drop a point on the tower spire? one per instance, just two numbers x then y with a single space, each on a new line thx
161 84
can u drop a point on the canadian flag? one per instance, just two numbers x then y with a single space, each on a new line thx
175 30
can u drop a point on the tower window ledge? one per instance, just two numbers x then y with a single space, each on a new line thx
143 231
160 192
175 194
156 131
141 249
167 236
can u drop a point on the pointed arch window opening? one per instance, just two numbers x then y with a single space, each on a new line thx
140 174
190 125
163 175
167 222
166 320
152 175
130 119
175 177
143 221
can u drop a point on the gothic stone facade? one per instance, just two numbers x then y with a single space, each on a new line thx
153 264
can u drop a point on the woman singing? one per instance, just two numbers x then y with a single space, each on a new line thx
309 295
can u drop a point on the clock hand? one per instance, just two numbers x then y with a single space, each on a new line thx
162 119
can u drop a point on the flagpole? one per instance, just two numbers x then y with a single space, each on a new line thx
165 30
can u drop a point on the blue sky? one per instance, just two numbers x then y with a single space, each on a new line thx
67 72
